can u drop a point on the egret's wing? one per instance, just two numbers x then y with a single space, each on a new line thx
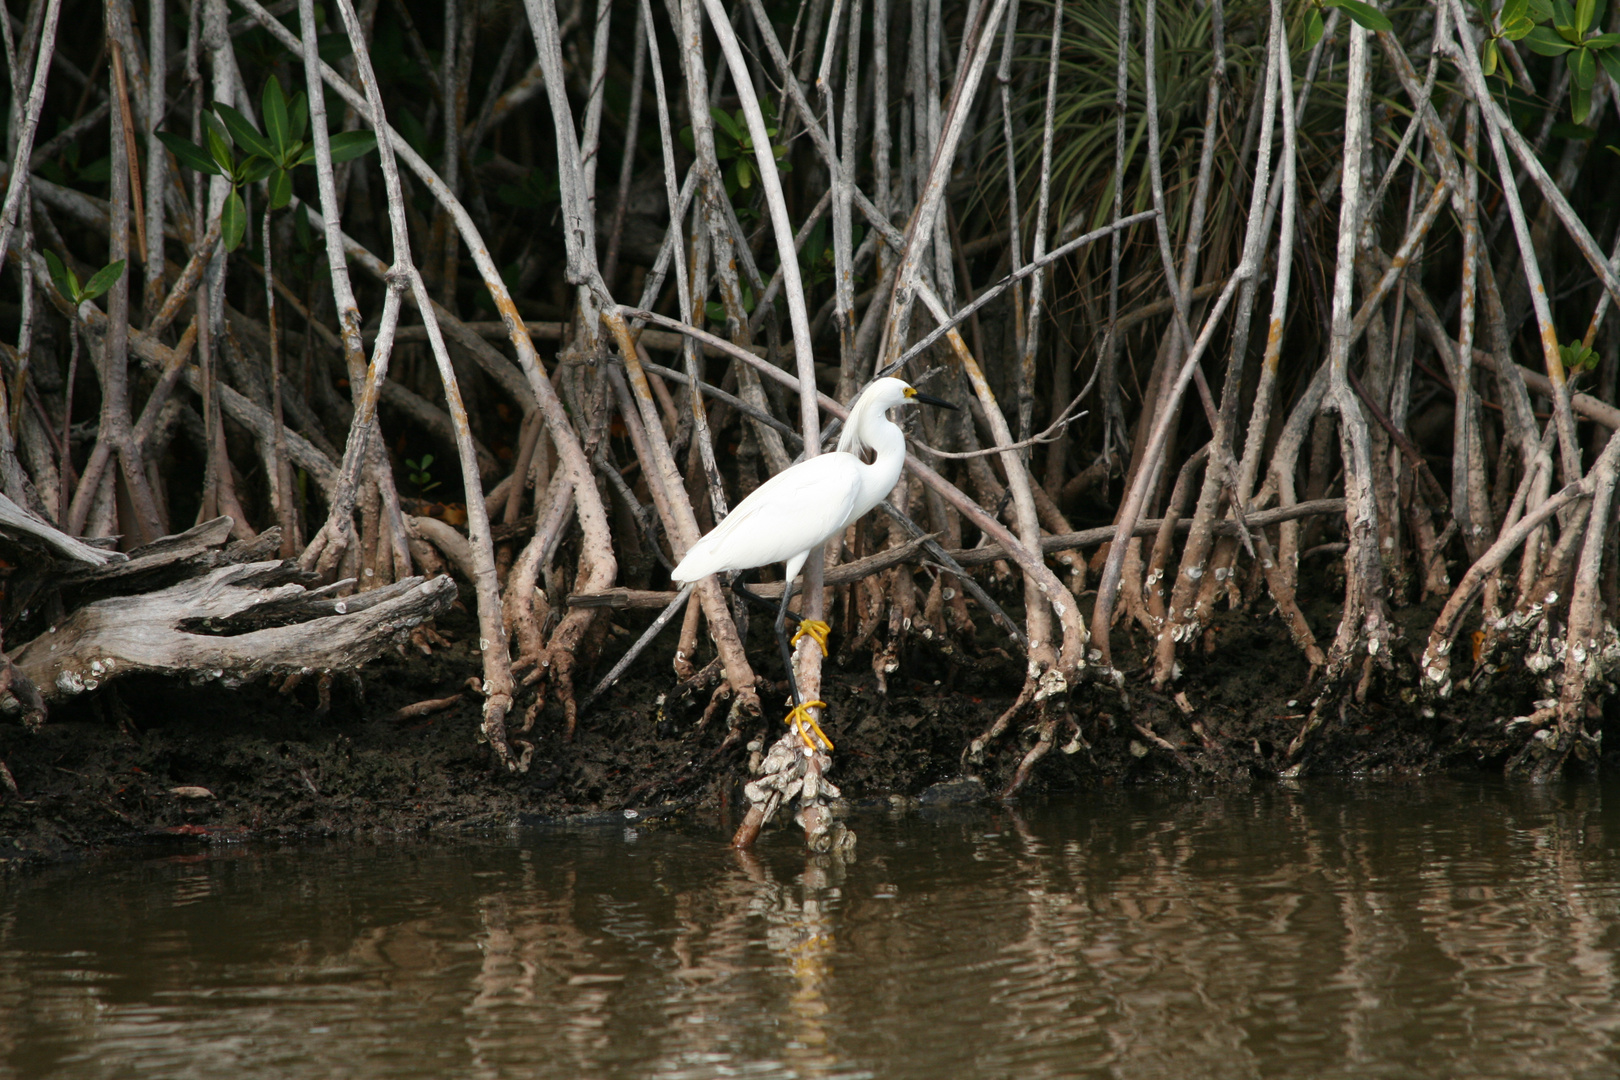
790 513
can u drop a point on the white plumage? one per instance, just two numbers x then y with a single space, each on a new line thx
802 506
785 518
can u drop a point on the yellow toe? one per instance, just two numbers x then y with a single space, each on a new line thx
804 722
816 631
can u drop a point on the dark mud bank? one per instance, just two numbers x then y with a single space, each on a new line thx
153 760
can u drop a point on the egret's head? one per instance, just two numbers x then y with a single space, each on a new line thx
874 403
885 394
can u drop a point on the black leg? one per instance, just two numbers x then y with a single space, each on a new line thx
782 614
800 719
757 600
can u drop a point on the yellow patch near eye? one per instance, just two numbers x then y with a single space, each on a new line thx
911 391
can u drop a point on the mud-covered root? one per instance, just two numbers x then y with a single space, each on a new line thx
1366 632
1591 645
1349 678
1436 671
429 706
562 678
973 753
549 664
897 616
722 695
1284 594
1045 733
1552 751
323 695
424 639
1313 720
1572 666
690 689
492 730
1047 688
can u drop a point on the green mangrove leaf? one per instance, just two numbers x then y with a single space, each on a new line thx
348 145
68 285
188 153
103 280
243 133
1582 68
233 221
1543 42
280 188
274 106
1366 16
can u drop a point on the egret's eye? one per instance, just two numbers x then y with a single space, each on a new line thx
911 391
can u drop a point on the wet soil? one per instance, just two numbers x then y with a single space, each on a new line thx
154 760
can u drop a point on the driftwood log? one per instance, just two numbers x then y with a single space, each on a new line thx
21 527
235 623
188 605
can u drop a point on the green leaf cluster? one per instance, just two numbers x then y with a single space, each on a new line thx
734 146
270 155
1517 21
67 282
419 474
1554 28
1577 357
1365 16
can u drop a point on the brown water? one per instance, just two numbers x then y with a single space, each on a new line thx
1432 929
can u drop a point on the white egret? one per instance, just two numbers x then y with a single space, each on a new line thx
786 517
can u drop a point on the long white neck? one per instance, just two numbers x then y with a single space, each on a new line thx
888 444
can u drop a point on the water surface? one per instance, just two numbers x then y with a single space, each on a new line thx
1436 928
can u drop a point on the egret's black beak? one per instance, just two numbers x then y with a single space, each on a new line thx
926 399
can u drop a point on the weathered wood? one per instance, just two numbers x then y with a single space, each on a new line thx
206 627
161 554
164 562
23 527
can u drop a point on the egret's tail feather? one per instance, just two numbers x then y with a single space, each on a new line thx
699 563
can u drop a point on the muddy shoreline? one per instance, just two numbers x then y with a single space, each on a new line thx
159 761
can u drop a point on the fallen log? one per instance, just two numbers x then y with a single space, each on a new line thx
19 526
188 604
232 624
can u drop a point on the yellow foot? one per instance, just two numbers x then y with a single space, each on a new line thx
815 630
804 722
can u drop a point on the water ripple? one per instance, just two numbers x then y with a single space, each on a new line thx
1443 929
